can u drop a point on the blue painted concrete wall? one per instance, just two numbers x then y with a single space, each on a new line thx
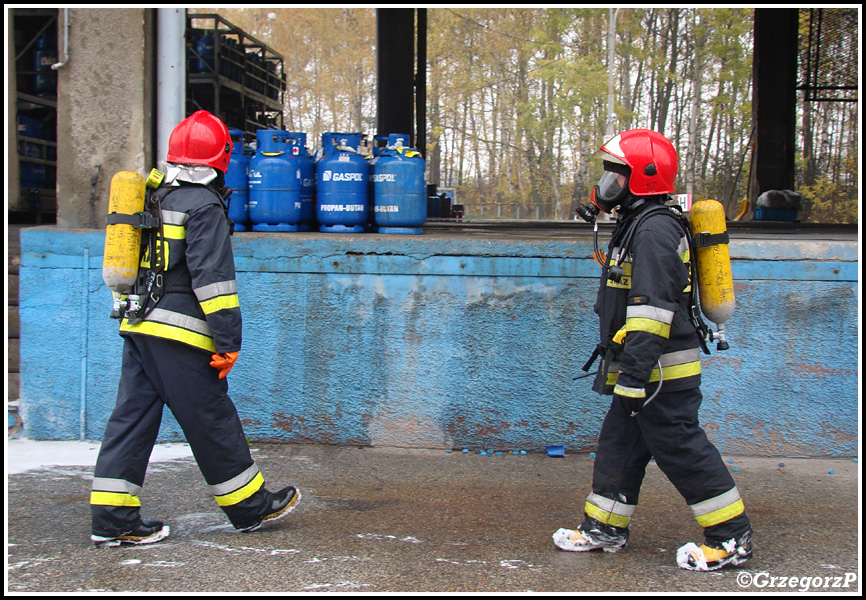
443 341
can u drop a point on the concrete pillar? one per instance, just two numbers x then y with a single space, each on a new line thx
104 109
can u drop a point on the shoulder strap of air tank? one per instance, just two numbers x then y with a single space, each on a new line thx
694 308
157 256
631 228
692 312
673 211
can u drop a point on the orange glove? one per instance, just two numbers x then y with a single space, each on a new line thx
224 362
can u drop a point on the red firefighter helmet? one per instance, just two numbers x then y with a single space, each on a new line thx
651 158
201 139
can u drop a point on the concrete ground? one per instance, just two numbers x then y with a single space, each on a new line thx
379 520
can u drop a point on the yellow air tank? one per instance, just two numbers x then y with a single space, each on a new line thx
122 240
715 281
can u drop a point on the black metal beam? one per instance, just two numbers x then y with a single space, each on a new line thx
421 85
395 71
774 99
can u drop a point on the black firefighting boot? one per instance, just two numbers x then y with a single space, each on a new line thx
279 505
592 535
146 532
715 556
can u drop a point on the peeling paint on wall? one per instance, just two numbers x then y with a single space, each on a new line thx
449 342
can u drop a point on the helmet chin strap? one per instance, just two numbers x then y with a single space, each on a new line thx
631 203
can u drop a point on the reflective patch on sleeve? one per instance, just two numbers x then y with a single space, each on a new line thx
220 288
677 372
649 319
648 326
173 217
683 249
645 311
220 303
218 296
174 232
629 392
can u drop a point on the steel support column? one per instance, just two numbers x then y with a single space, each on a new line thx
395 68
774 99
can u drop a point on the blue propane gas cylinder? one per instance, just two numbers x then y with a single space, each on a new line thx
298 143
399 188
380 142
275 190
204 48
45 55
341 184
237 179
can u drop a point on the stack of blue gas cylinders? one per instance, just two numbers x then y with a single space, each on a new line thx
282 188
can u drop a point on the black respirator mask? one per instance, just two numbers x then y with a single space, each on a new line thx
612 188
612 191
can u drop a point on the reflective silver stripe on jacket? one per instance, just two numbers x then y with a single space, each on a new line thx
220 288
669 359
173 217
169 317
650 312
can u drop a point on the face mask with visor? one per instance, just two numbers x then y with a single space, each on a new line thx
612 188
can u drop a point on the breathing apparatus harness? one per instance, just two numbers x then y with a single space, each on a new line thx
150 285
624 236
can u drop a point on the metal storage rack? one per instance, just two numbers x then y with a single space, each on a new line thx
36 114
233 75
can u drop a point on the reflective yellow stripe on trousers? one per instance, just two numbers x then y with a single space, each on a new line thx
239 488
607 511
723 507
114 492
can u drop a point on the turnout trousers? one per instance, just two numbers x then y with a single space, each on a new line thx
156 373
667 429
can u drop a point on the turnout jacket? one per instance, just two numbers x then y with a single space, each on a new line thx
199 305
649 306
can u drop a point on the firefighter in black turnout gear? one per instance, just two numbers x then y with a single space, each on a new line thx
178 348
650 362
